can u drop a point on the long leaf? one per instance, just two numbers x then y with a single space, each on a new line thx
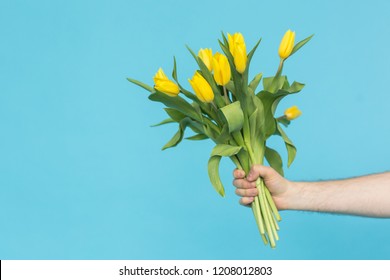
251 53
225 150
224 136
213 171
253 126
197 137
175 114
249 58
174 72
301 44
169 120
225 40
176 139
295 87
255 82
291 149
176 102
141 84
278 83
217 153
233 115
274 160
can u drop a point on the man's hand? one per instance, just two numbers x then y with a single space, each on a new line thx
364 196
280 188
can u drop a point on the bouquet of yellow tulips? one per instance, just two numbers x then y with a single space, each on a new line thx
229 110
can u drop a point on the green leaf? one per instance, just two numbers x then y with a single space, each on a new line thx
295 87
176 115
286 84
291 149
225 40
233 115
284 121
169 120
224 136
301 44
225 150
274 160
174 72
213 171
225 49
249 58
251 53
253 126
176 102
230 87
255 82
197 137
141 84
176 139
279 82
217 153
260 118
270 101
187 93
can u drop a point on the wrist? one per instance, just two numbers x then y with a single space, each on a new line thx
292 198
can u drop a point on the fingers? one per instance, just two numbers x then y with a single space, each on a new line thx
243 184
260 171
239 174
246 186
246 200
246 192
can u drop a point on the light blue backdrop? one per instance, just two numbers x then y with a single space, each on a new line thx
82 175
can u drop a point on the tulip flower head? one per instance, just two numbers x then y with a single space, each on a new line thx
202 88
292 113
206 55
164 85
222 73
238 49
287 44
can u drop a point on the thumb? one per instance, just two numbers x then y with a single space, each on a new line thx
259 171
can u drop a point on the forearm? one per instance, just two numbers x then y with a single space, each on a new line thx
366 196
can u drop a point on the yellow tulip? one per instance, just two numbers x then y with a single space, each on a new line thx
206 55
163 84
238 49
292 113
287 44
222 73
202 88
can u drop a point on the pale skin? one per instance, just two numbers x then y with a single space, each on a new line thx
363 196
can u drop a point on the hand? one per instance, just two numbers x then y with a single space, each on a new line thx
280 188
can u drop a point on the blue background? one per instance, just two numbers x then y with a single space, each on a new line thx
82 175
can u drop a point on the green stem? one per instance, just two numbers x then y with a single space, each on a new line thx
256 207
280 68
236 162
270 216
215 106
264 211
266 204
225 94
276 77
272 204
